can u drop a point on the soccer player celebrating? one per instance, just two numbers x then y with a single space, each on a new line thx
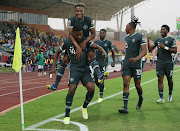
106 45
132 64
79 70
87 25
166 46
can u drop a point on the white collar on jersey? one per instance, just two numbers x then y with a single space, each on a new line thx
133 34
103 40
165 37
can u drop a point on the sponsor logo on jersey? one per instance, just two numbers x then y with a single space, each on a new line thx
85 27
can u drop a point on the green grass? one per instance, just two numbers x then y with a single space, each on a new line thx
6 69
105 116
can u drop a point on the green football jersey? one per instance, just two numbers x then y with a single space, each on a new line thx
86 24
76 64
133 47
163 55
106 45
40 59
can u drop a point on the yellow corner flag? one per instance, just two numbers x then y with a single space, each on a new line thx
17 59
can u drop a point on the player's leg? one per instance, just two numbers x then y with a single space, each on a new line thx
160 72
137 73
69 100
101 89
61 70
60 73
74 78
103 68
170 84
95 66
140 93
126 74
39 70
160 89
88 82
169 73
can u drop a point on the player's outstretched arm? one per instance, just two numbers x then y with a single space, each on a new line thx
113 57
54 61
150 47
100 49
92 36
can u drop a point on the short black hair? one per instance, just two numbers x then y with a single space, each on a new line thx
79 5
77 27
134 22
103 30
166 26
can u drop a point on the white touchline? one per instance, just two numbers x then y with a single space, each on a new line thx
33 127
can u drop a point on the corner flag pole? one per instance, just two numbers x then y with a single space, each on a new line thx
21 99
17 64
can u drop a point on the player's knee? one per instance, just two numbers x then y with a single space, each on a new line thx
137 85
160 80
170 81
72 91
92 88
126 84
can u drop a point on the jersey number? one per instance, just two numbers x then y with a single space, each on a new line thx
138 72
171 73
72 50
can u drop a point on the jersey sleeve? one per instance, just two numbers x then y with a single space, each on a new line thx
173 44
155 43
63 46
142 40
89 44
110 46
91 23
70 23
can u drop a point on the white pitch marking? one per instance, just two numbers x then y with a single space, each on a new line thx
33 127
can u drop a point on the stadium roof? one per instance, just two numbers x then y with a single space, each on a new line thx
100 9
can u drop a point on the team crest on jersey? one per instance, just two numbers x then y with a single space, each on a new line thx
105 45
166 42
133 40
85 27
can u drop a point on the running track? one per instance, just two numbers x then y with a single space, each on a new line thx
33 87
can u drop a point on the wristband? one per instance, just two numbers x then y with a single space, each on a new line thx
166 48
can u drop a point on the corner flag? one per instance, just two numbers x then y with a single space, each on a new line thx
17 64
17 60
